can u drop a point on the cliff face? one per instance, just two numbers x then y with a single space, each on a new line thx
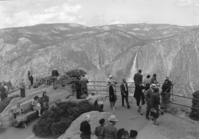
101 51
176 57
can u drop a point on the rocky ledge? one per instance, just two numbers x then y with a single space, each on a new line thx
73 132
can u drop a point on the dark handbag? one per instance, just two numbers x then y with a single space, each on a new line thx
154 114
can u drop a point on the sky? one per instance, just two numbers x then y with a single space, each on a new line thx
16 13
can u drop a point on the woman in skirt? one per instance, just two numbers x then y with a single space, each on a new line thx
139 96
112 95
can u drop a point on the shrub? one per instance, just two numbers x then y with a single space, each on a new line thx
5 102
195 104
55 121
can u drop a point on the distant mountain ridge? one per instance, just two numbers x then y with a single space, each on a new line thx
113 49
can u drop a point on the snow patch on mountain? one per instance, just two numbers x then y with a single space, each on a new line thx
147 28
106 28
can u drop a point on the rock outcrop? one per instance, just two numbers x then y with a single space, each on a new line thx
73 132
5 115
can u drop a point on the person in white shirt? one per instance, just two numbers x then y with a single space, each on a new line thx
96 100
147 82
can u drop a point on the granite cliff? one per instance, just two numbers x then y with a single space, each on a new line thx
114 49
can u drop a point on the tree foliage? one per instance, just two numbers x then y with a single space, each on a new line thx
55 121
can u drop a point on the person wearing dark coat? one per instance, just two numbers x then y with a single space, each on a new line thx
165 93
154 79
110 131
112 95
22 87
140 99
155 103
83 82
55 74
44 101
138 95
138 78
148 96
31 79
78 89
3 92
170 84
98 129
85 128
124 93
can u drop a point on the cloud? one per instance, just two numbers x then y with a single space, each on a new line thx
117 22
119 1
39 13
196 12
184 3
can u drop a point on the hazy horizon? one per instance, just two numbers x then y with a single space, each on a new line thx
20 13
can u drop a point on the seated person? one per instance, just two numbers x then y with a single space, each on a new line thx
36 105
44 100
19 118
84 96
96 100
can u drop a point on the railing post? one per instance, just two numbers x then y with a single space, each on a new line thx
94 86
165 110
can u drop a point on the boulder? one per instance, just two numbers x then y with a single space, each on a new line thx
73 132
5 114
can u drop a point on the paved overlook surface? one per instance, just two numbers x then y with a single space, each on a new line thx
171 127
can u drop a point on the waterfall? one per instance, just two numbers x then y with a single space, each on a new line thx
133 70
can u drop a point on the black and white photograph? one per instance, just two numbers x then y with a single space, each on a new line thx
99 69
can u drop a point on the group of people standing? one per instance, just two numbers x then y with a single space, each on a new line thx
150 92
106 129
113 94
147 91
81 87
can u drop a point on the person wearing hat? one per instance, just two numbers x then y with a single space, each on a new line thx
110 131
133 134
112 95
85 128
148 97
109 79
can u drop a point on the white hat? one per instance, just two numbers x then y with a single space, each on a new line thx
110 76
112 118
153 86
